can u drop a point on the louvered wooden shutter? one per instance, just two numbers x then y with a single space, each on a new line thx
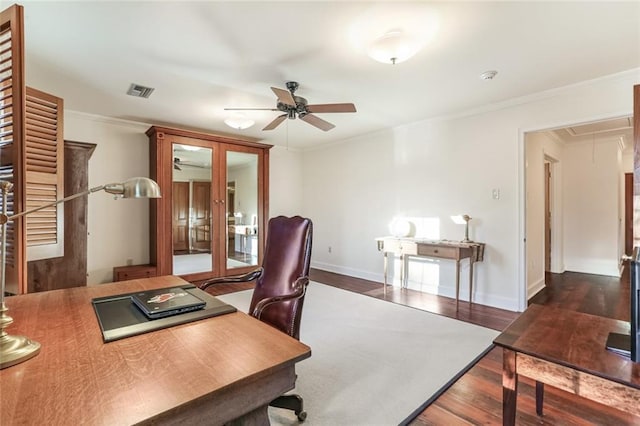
12 94
44 151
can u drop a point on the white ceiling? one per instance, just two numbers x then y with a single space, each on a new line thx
204 56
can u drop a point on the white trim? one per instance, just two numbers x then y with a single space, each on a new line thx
358 273
594 266
544 95
521 293
438 290
536 287
108 120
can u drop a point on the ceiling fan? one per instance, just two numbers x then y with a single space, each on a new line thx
178 164
296 106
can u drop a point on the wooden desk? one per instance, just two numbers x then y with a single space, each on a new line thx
206 372
566 349
453 250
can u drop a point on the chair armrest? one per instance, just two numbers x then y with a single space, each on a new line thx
299 289
253 275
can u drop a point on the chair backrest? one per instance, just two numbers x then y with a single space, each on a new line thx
286 258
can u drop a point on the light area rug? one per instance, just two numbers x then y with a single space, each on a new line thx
372 362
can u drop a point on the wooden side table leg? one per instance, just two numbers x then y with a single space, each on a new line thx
386 266
470 281
457 284
509 387
405 266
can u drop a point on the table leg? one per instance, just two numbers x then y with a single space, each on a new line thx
386 265
470 281
509 387
402 271
539 397
457 284
405 276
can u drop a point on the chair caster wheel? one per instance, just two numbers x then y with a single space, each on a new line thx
302 416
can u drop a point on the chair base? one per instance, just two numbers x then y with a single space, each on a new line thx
291 402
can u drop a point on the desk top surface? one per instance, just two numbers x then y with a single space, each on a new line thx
78 379
427 241
572 339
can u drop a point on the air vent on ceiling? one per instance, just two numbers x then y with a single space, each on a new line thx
140 91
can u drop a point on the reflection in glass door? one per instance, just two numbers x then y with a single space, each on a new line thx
191 211
242 209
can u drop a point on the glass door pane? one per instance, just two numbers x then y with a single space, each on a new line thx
192 216
242 209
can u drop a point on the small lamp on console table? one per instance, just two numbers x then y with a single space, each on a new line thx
16 349
463 220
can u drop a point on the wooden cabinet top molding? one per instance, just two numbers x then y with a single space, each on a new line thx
160 131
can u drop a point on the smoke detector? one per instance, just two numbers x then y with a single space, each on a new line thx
488 75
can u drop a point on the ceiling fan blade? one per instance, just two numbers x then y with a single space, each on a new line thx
251 109
314 120
279 119
332 108
284 96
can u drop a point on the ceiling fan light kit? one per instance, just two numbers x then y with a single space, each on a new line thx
239 121
393 47
293 107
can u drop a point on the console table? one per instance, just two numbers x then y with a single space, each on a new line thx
566 350
439 249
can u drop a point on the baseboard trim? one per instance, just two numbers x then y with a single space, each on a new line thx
535 288
437 290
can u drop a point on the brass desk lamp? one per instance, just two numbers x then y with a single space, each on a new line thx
16 349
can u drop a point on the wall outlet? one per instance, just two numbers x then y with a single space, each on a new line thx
329 249
129 262
495 193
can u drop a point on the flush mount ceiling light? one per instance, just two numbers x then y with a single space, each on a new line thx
393 47
239 121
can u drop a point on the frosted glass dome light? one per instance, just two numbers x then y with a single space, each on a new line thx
393 47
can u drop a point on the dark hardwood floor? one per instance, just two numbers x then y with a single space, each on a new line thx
476 398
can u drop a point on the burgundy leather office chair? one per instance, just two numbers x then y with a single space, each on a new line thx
281 285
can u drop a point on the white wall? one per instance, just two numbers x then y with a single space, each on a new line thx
437 168
245 177
591 200
119 230
285 182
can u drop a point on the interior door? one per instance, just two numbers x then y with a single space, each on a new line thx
201 204
180 220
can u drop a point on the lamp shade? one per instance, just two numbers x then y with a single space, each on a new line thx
137 187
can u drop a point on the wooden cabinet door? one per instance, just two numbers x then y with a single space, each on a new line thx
202 162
